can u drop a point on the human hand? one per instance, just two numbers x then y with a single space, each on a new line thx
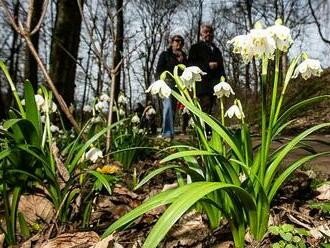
213 65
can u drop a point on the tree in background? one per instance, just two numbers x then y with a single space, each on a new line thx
64 47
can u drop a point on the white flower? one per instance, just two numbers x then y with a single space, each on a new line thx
93 154
54 128
223 89
122 99
191 122
97 119
308 68
135 119
43 118
101 106
38 99
159 87
262 41
234 110
87 108
281 34
150 111
121 112
52 109
104 98
190 75
243 46
185 111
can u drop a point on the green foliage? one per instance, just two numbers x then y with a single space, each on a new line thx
289 236
324 207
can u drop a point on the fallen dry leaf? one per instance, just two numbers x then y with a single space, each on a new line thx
2 239
70 240
324 191
36 208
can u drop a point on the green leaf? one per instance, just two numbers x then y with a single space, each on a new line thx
287 228
154 173
185 154
25 231
296 239
276 245
286 236
275 230
32 112
160 199
102 179
194 192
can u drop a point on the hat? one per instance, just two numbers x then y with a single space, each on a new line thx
177 32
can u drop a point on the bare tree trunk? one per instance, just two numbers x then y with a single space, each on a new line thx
30 64
119 44
64 48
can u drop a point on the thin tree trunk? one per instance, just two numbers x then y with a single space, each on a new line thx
30 64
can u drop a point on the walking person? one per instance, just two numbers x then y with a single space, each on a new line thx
168 59
207 56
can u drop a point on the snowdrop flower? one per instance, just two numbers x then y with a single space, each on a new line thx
122 99
234 110
191 122
101 106
121 112
262 41
38 99
93 154
43 118
150 111
52 109
54 128
97 119
281 34
104 98
159 87
308 68
223 89
87 108
190 75
243 46
135 119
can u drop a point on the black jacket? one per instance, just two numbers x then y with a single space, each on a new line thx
200 55
166 62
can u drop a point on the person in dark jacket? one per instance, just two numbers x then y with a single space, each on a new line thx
168 59
208 58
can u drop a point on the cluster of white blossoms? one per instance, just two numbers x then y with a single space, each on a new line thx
41 104
103 103
261 42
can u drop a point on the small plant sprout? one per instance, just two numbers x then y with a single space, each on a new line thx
93 154
159 87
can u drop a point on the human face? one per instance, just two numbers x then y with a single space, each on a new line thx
177 43
207 34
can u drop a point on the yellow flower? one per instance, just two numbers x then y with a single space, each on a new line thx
108 169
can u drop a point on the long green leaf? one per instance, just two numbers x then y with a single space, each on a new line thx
185 154
194 192
291 168
274 165
160 199
32 113
213 124
153 174
102 179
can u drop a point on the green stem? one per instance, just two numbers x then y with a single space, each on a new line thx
222 112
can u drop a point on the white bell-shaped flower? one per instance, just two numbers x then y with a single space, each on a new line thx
159 87
104 98
262 41
135 119
234 111
101 106
87 109
191 75
308 68
93 154
121 112
54 128
122 99
223 89
150 111
242 45
281 34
